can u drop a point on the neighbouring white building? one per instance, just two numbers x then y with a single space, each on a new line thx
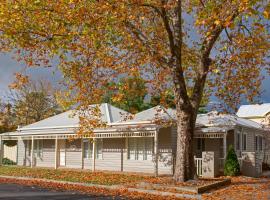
259 113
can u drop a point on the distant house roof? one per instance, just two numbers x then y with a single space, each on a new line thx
225 120
212 119
109 114
257 110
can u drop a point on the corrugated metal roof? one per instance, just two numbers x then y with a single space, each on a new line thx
153 114
257 110
109 114
206 120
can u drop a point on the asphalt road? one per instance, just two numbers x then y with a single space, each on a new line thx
20 192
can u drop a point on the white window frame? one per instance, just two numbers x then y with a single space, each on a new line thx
38 144
200 144
87 155
99 144
144 156
244 142
238 141
258 143
28 147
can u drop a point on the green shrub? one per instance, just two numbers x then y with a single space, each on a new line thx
7 161
231 167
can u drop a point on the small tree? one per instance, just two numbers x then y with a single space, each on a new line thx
232 167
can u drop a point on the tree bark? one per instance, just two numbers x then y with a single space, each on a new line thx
184 166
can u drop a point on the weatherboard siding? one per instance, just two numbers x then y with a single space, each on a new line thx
21 152
73 154
114 156
48 156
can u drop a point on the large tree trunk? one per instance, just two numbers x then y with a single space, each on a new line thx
184 166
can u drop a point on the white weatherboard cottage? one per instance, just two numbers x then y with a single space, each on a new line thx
138 145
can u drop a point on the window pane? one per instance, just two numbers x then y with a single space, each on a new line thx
131 148
256 143
148 149
238 141
199 144
99 146
29 147
85 149
140 148
40 148
261 143
244 140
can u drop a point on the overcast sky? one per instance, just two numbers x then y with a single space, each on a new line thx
9 66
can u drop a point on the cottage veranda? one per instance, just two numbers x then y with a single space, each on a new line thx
145 143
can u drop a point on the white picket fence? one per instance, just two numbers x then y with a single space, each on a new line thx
198 165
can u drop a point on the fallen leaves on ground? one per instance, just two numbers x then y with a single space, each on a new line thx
242 188
101 178
122 193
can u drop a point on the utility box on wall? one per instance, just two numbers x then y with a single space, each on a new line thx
210 164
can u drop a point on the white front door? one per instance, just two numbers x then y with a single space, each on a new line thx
62 152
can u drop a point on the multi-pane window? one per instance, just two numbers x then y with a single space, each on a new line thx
201 144
29 147
238 141
140 148
88 149
38 148
38 144
244 142
258 143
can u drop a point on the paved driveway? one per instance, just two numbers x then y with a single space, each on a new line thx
20 192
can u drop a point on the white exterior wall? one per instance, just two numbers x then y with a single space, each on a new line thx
48 155
114 155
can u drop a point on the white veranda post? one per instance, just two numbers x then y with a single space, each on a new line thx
1 150
225 145
32 152
82 153
156 152
94 155
56 153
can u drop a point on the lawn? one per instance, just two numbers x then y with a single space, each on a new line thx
102 178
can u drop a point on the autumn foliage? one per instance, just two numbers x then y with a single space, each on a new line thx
186 45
